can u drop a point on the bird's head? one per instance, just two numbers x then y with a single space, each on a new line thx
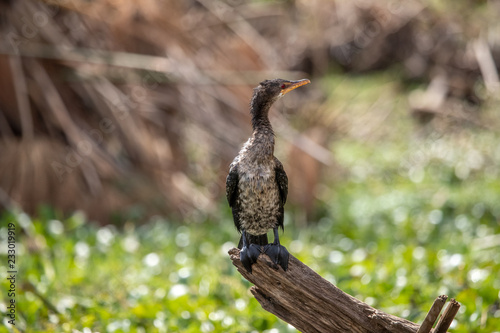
272 90
268 92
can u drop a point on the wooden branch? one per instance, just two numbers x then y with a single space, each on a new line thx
305 300
445 321
433 314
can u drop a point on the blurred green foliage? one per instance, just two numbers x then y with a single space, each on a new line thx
388 237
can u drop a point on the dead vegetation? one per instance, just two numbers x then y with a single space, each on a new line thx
110 106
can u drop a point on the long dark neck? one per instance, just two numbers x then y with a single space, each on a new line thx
259 109
263 135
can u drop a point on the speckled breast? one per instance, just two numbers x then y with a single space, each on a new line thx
258 199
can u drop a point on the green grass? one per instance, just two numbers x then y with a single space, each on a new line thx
389 241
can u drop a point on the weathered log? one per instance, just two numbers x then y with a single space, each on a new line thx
449 313
433 314
310 303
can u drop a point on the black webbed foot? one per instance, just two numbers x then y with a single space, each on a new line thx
249 255
278 254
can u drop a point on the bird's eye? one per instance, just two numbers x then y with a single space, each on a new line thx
283 86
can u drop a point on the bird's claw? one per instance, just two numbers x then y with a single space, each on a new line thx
249 255
278 254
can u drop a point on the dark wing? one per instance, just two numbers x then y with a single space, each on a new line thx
232 185
282 180
232 194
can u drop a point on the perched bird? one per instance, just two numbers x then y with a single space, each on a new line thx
257 185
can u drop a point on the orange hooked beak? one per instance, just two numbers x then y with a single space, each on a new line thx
291 85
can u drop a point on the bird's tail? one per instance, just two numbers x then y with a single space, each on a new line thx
251 239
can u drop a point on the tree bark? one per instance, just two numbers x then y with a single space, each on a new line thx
310 303
432 315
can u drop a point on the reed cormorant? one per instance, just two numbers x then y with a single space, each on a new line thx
257 185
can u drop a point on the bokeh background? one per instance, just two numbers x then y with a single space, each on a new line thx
118 121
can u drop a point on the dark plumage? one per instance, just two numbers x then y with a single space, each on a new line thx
257 185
